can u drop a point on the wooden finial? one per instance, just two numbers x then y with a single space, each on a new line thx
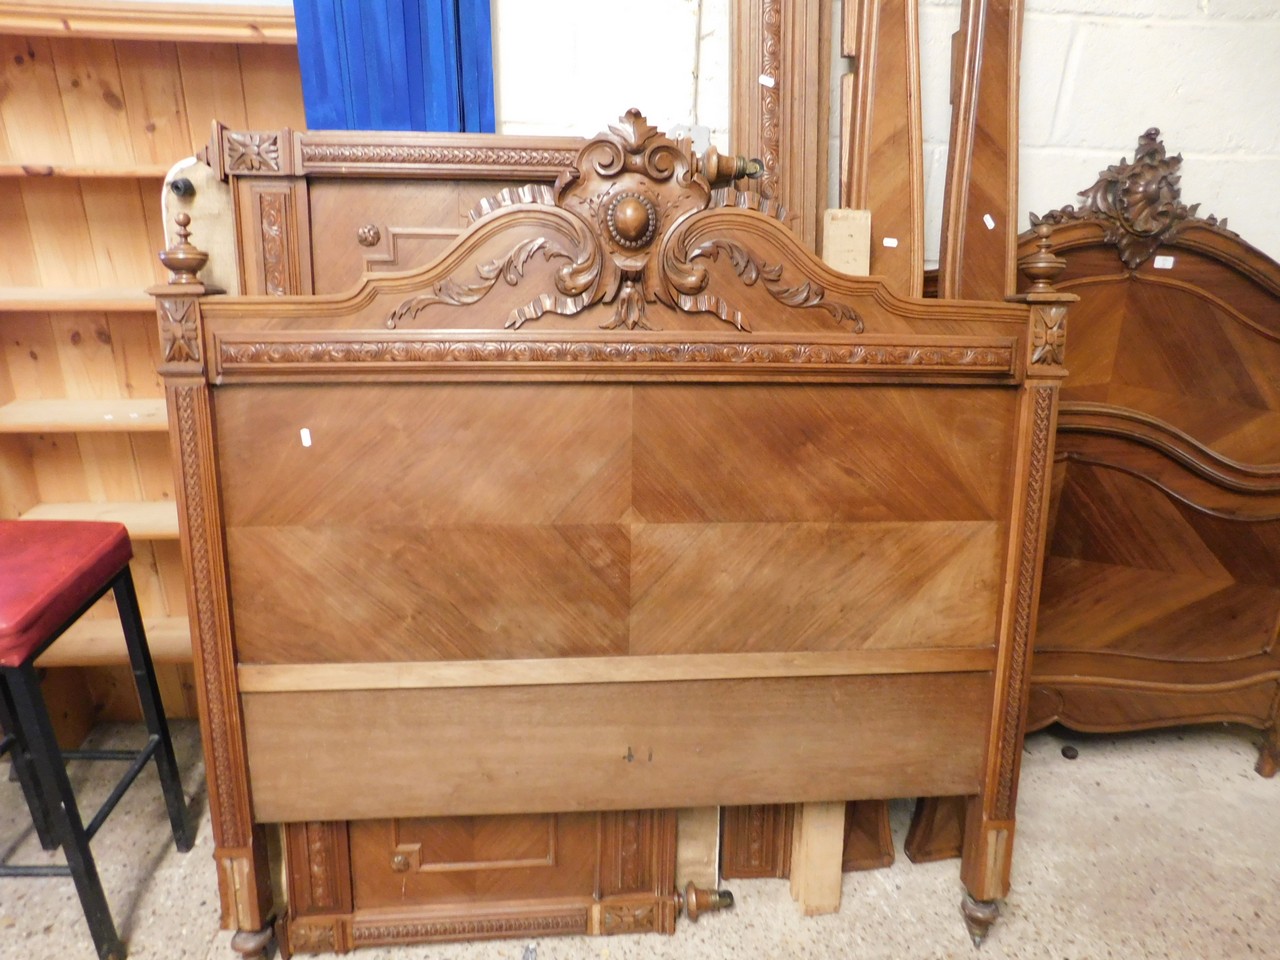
183 260
1042 267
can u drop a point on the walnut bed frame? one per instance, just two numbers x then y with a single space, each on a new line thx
620 500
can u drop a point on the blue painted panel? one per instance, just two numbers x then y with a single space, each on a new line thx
396 64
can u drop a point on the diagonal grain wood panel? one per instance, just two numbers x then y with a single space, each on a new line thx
564 455
708 453
1132 571
757 587
428 593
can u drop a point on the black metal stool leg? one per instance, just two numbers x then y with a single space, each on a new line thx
64 815
144 675
20 756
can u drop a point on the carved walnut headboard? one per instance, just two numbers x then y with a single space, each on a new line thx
622 500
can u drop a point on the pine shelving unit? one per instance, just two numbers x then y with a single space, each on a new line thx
101 99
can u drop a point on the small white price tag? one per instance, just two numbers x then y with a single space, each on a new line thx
767 81
890 241
1163 262
989 220
305 434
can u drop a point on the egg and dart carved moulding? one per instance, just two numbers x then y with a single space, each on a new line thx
614 220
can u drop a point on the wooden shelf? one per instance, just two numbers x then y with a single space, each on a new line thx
10 169
77 416
145 520
68 300
100 643
206 23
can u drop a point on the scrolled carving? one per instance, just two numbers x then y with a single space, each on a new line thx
575 281
628 191
689 278
1140 202
275 264
253 151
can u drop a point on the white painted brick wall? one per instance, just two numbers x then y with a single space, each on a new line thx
572 67
1095 75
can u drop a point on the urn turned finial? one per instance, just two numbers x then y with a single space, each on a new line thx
183 259
1042 267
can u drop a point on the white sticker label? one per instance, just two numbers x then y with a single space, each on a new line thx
306 436
989 220
890 241
767 81
1163 262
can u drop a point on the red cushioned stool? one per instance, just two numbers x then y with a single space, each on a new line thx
51 572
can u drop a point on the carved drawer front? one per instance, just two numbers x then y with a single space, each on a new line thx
473 859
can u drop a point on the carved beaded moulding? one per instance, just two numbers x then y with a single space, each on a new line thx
616 221
1140 203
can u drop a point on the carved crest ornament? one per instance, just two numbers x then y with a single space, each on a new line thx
1140 202
614 221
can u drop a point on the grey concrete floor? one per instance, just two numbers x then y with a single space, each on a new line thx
1145 846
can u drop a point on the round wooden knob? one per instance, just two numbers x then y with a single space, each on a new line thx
632 220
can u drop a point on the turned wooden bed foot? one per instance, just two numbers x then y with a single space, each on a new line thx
979 915
253 944
1269 753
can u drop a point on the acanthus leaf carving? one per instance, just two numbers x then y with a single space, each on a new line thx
689 279
619 203
575 281
1139 203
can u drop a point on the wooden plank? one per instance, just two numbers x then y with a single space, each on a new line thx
225 23
315 677
605 746
45 416
59 299
19 264
148 521
153 101
60 234
83 171
18 490
816 861
33 370
211 88
881 141
698 847
101 643
275 69
980 207
93 101
118 230
34 125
